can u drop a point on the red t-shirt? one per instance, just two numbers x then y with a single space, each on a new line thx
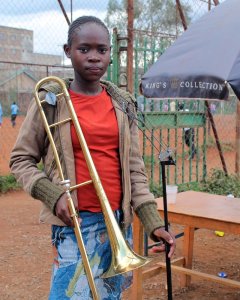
98 122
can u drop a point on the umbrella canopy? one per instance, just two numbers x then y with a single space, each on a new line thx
202 61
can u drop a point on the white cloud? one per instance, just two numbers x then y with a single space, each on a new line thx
50 27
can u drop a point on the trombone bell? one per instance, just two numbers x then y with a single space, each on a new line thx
124 261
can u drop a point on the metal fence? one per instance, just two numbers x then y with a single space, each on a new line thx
32 34
200 143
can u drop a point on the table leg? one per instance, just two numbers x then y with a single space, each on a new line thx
137 290
187 253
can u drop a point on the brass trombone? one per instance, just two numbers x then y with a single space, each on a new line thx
124 259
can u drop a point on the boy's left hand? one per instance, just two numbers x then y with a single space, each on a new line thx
169 237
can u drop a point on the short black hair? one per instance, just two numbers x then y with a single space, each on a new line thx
81 21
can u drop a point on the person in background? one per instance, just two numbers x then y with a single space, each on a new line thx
172 105
165 107
189 135
14 112
1 114
213 108
113 141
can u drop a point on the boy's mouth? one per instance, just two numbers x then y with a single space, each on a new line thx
94 68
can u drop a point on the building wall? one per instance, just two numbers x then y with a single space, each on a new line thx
21 83
16 45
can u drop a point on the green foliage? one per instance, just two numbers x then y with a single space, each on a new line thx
217 183
156 189
151 15
193 186
220 184
8 183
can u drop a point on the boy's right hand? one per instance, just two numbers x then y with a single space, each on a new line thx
62 210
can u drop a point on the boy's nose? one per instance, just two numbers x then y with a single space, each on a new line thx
93 56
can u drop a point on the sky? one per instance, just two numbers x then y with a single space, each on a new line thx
46 19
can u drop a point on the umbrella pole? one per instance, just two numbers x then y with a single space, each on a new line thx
216 137
166 159
237 164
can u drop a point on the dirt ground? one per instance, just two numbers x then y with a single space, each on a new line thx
26 257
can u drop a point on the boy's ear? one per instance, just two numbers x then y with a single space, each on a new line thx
66 49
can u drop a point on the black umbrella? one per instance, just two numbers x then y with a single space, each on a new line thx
200 64
202 61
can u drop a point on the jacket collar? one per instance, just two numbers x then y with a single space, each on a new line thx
111 88
122 97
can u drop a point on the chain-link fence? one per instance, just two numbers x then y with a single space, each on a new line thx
32 34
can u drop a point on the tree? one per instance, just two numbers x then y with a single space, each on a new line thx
151 15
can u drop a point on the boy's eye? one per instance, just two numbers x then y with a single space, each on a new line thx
83 50
103 50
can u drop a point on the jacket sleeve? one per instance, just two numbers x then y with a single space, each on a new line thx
143 201
29 149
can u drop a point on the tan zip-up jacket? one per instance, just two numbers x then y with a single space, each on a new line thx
33 145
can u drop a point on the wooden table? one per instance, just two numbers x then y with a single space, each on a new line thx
193 210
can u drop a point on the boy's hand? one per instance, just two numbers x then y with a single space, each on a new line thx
62 210
169 237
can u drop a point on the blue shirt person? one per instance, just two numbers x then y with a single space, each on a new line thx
14 112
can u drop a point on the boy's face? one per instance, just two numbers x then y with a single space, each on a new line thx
89 51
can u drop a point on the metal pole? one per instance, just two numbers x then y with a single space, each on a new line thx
216 2
216 137
64 12
165 158
179 7
167 246
209 4
130 12
237 164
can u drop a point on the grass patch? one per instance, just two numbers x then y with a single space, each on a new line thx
217 183
8 183
220 184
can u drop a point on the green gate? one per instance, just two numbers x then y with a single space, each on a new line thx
162 125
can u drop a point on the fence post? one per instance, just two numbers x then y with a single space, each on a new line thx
130 12
237 165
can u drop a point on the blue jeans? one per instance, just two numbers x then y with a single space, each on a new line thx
68 277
